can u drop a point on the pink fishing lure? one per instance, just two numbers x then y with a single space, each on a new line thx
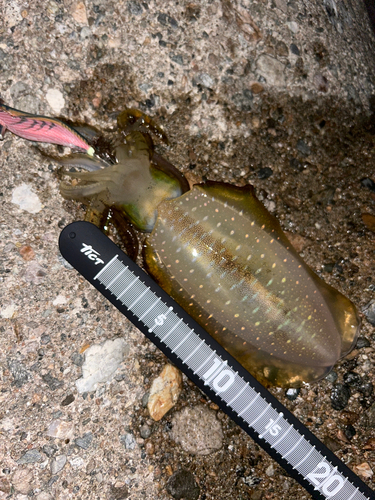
41 129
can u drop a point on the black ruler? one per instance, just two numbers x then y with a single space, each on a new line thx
208 365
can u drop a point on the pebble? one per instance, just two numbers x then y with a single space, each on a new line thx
129 441
77 359
34 273
294 49
265 172
145 431
19 373
292 393
145 397
205 80
68 400
369 312
135 8
370 444
370 414
270 205
353 379
321 82
367 366
27 253
256 87
270 471
49 450
30 457
166 20
293 26
8 311
76 462
101 363
332 444
52 382
57 464
340 395
56 100
296 164
119 492
363 470
303 148
349 431
85 33
22 480
26 199
150 448
197 430
366 389
12 14
271 69
85 441
60 429
251 480
243 100
256 495
60 300
91 466
45 339
369 221
298 241
368 183
362 342
5 486
78 12
182 485
64 262
43 495
164 392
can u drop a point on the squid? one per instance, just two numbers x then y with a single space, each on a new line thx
213 247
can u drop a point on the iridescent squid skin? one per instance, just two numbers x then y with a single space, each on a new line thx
226 260
220 254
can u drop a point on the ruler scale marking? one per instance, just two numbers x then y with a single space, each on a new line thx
224 380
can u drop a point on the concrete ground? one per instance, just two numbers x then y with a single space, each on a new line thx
274 93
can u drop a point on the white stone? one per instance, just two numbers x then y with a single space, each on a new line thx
101 363
12 14
76 462
293 26
61 430
57 464
206 80
7 424
55 99
271 69
26 199
8 312
43 495
59 300
23 480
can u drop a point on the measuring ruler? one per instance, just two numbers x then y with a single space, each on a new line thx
208 365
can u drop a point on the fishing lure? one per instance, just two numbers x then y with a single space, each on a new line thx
216 250
40 129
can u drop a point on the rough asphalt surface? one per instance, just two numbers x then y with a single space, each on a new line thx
276 93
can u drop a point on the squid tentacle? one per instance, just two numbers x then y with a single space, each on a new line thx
80 191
